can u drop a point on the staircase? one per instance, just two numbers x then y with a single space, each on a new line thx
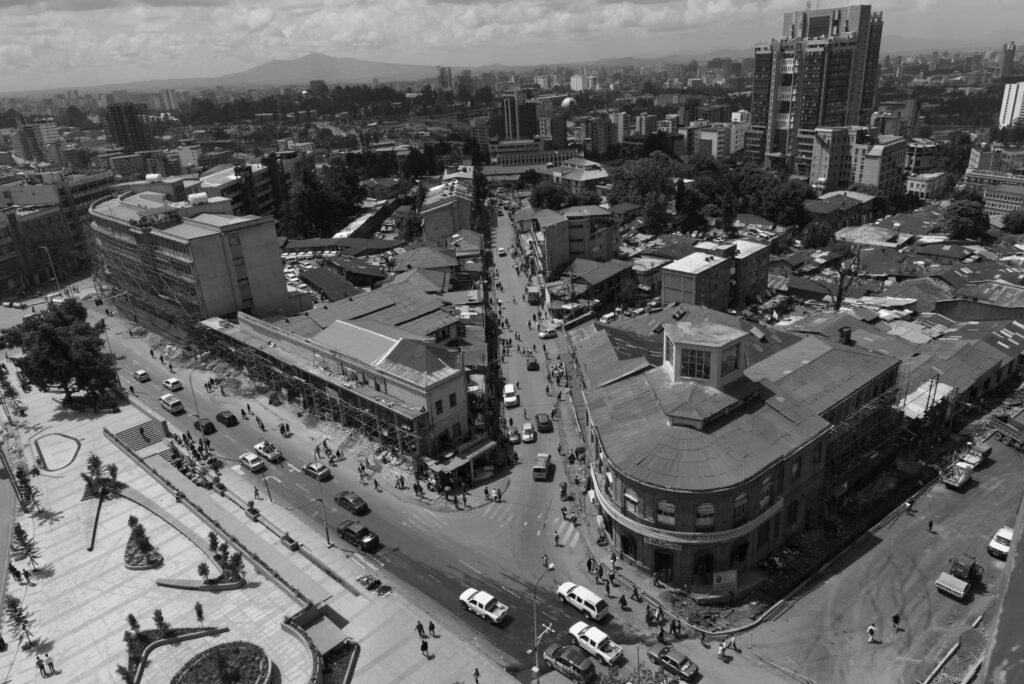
141 436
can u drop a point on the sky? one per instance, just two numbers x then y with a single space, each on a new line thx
79 43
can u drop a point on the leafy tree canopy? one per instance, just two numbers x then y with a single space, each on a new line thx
62 349
549 195
966 219
1014 222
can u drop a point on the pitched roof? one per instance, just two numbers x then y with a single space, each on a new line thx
328 281
425 257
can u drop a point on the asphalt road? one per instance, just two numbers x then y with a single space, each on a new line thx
497 547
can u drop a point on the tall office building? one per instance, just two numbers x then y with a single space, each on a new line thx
38 142
1012 110
444 78
1006 58
822 72
127 125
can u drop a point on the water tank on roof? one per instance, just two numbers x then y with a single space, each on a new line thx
197 198
154 178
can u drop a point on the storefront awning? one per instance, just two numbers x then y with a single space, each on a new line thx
451 460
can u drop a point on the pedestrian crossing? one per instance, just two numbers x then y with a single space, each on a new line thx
500 516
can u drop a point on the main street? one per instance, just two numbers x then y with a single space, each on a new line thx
497 547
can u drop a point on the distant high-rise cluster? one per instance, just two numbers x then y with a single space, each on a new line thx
128 125
822 72
1006 58
444 79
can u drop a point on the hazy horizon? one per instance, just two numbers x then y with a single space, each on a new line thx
63 44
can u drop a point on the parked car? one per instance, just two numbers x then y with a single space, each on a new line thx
141 376
513 436
484 605
544 423
205 426
173 384
317 471
531 364
674 661
572 661
358 535
1000 544
528 433
227 419
269 451
502 251
351 501
252 462
546 333
596 643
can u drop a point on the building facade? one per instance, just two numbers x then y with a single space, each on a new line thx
1012 109
127 124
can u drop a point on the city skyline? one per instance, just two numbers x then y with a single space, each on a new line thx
60 44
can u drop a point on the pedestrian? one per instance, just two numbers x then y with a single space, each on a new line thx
590 565
611 577
464 500
871 633
398 483
636 593
565 513
608 587
425 648
476 675
49 663
721 651
142 432
376 485
39 664
659 615
557 544
661 635
401 481
487 494
896 622
131 390
930 531
600 568
432 629
613 559
731 643
545 561
622 602
248 408
419 628
256 493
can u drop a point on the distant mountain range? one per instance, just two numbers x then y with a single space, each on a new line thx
335 70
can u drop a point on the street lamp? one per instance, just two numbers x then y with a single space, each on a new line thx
323 509
50 259
547 628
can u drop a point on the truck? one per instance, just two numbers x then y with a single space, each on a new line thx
957 475
976 454
961 578
532 294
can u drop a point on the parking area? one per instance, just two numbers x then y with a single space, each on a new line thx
892 571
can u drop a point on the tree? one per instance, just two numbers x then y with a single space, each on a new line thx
112 471
199 612
159 621
133 623
848 274
140 539
549 195
529 178
19 619
204 571
213 541
1014 222
29 492
62 349
25 545
416 165
585 197
966 219
125 674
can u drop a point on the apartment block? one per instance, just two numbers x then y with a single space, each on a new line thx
699 278
1012 110
845 155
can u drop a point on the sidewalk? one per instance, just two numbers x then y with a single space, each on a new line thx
83 630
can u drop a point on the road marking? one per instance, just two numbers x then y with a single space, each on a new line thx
470 567
289 466
433 578
274 478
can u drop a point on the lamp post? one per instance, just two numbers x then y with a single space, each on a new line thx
547 628
52 269
193 389
323 509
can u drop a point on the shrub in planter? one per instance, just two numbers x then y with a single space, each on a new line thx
289 542
139 552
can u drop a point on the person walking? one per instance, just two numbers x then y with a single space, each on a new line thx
608 586
930 524
419 628
896 622
48 661
731 643
425 648
376 485
476 675
557 540
721 651
39 664
545 560
432 629
871 633
256 493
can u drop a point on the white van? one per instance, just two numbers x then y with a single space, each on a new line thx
542 466
511 396
172 404
608 318
583 600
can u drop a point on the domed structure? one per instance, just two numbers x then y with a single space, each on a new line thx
568 103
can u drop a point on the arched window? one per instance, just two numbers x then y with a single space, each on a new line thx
739 507
630 501
706 514
666 513
766 491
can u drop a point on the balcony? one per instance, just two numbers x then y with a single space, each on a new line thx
663 537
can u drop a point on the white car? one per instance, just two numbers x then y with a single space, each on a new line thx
596 643
252 462
141 376
1000 544
173 384
484 605
529 434
546 333
502 251
268 451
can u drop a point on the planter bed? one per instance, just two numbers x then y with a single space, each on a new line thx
248 662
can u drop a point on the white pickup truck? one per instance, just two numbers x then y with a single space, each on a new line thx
957 475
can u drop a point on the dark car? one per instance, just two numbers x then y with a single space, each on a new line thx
352 502
531 364
205 426
227 419
544 423
674 661
358 535
317 471
572 661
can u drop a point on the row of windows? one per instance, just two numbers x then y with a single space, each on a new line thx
439 404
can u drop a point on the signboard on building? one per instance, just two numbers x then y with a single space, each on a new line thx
723 581
662 543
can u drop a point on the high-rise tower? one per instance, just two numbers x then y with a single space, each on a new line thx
1006 58
822 72
127 124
